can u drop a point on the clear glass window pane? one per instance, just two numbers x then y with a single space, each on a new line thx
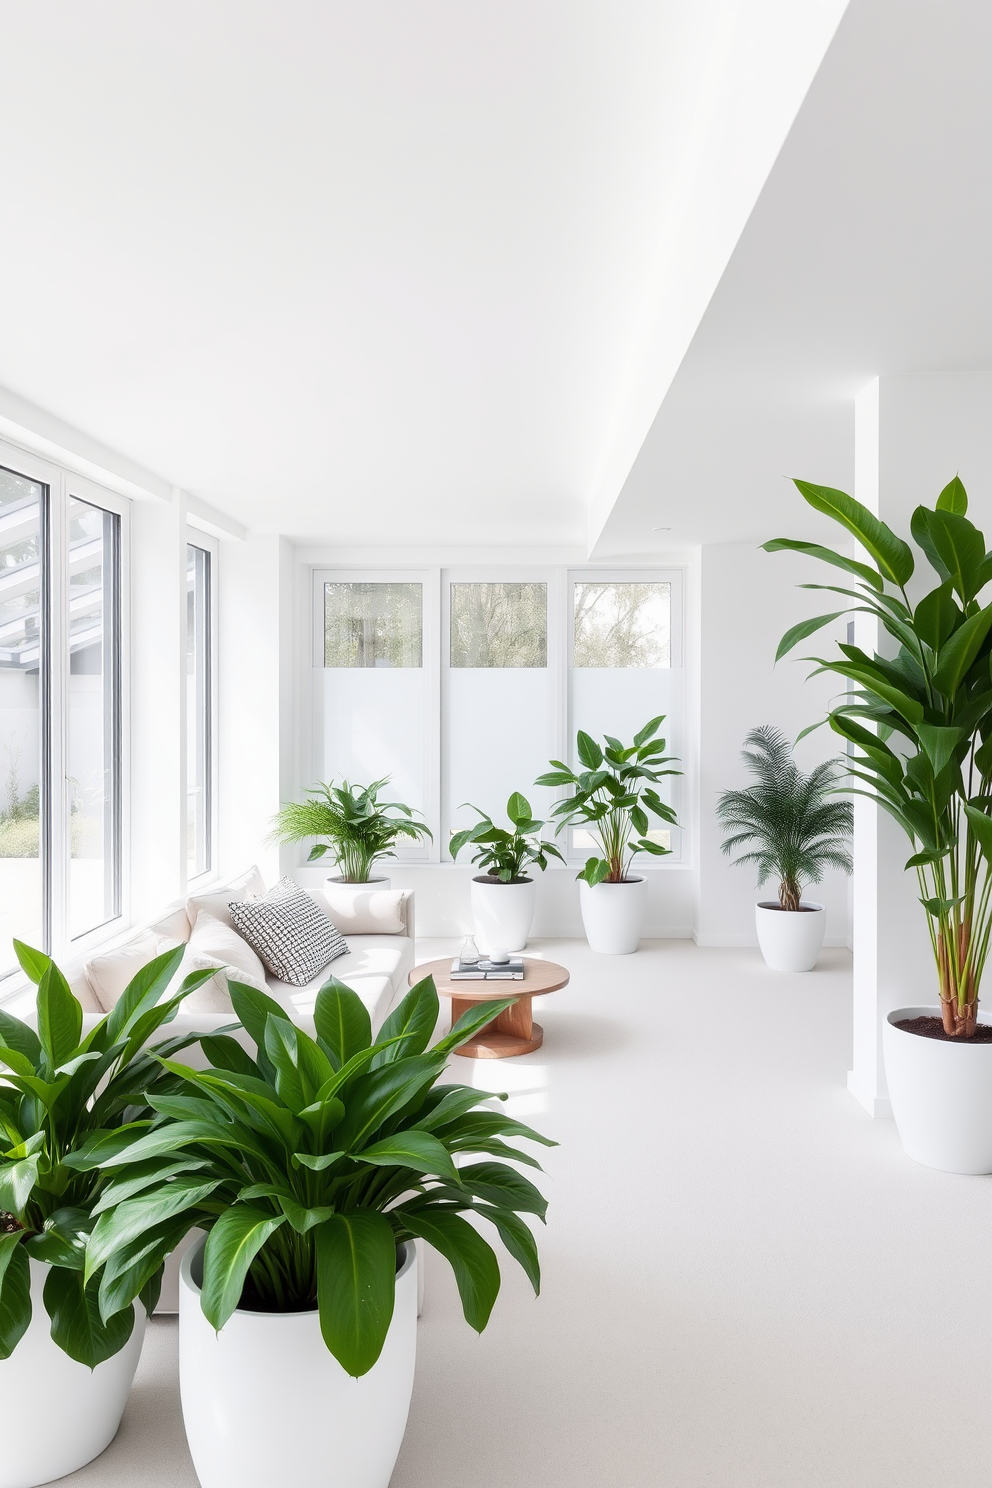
22 639
93 723
499 625
198 720
623 624
373 625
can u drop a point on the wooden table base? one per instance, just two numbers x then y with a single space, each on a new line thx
513 1032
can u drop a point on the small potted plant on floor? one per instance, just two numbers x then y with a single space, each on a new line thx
321 1161
793 828
352 824
612 798
920 718
503 897
69 1343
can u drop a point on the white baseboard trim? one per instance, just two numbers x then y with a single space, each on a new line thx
876 1105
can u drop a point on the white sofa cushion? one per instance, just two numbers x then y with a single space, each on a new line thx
108 974
364 911
375 967
216 901
214 944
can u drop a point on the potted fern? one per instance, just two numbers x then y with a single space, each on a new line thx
318 1163
69 1342
920 718
612 798
350 823
792 827
504 896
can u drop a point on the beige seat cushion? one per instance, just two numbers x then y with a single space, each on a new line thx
215 944
375 967
216 901
364 911
109 973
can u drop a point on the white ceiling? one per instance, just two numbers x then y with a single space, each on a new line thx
385 271
867 253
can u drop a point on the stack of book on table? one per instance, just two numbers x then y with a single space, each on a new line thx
487 971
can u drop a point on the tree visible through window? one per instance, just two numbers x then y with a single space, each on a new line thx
499 625
623 624
373 625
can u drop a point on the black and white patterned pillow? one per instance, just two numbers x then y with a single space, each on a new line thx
289 932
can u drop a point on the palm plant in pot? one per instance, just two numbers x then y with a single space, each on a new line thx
503 896
613 798
318 1162
350 823
69 1341
793 828
920 717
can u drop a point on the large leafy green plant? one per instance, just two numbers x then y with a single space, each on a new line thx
506 854
611 797
791 823
921 715
356 827
58 1092
310 1162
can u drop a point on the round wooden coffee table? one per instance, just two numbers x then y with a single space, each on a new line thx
514 1030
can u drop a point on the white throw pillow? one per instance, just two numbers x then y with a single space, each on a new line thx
364 911
215 901
214 944
108 974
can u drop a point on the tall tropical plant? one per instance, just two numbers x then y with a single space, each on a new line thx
613 796
506 854
921 716
312 1160
791 823
59 1092
354 825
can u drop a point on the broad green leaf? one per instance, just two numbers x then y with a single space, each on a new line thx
317 1164
16 1034
33 963
479 1124
456 1101
981 828
136 1177
470 1023
954 497
17 1180
960 652
15 1293
411 1149
588 751
893 556
356 1283
131 1218
14 1060
937 616
342 1021
413 1021
77 1326
939 743
128 1272
143 991
60 1017
497 1184
281 1047
516 1235
648 731
954 547
825 555
231 1246
470 1257
379 1094
62 1242
225 1052
802 630
252 1008
518 809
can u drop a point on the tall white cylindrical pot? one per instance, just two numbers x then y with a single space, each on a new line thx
265 1403
57 1414
941 1094
502 913
790 939
613 915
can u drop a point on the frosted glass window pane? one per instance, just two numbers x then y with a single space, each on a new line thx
93 723
487 762
371 724
373 625
198 720
21 641
625 624
499 625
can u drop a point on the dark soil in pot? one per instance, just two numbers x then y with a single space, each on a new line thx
933 1028
803 908
488 878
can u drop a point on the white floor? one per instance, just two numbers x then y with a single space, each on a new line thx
747 1285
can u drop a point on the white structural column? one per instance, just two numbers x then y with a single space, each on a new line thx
912 434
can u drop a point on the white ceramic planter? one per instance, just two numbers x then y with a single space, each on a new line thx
790 940
941 1095
502 913
340 887
613 915
57 1414
265 1403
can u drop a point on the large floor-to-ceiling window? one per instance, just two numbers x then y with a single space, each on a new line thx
62 555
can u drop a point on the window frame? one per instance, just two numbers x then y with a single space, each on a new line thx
197 538
63 485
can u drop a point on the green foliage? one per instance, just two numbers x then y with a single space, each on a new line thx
932 696
314 1160
61 1092
356 827
610 798
506 854
793 829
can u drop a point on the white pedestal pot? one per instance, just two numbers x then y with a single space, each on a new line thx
941 1094
57 1414
613 915
502 912
790 939
264 1402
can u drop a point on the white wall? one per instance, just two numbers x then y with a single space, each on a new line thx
748 600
